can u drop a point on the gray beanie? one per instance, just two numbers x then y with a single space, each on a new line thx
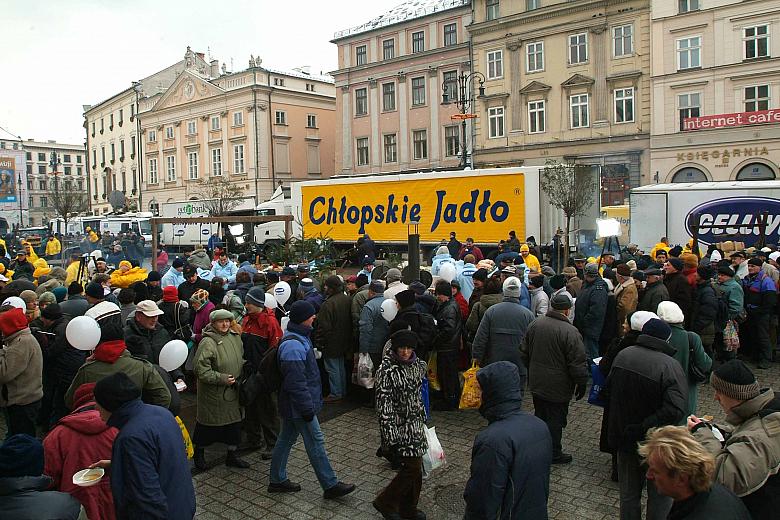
393 275
512 287
255 296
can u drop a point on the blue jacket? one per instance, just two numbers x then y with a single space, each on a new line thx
301 392
510 460
525 296
214 242
227 272
150 475
465 279
373 328
172 277
249 268
440 260
315 298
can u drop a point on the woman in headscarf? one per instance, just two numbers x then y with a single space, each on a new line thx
202 306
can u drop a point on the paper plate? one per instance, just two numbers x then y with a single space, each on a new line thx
88 477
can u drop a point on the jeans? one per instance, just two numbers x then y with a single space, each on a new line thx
313 440
591 347
554 415
337 375
632 480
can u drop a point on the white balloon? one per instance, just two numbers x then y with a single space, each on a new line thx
83 333
15 301
173 355
389 309
285 321
282 292
448 272
270 301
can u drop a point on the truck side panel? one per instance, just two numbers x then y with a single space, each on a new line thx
648 219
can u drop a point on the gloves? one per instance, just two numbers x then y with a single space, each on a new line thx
579 391
308 417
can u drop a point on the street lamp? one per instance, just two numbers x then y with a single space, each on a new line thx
465 101
20 200
54 162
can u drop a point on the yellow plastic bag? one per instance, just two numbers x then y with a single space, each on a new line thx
433 377
187 441
472 393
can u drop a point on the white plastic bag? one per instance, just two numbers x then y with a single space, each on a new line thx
434 457
365 371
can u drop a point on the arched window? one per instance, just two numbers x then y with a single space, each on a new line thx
756 172
689 175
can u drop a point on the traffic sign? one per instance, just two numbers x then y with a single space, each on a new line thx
459 117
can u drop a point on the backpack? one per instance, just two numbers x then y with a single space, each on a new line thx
270 370
722 313
249 385
427 333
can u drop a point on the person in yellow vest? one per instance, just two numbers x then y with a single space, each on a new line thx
73 269
689 249
6 272
662 245
531 262
31 256
53 247
127 275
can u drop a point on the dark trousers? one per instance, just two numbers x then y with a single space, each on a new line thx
755 333
447 370
554 415
261 423
403 492
21 418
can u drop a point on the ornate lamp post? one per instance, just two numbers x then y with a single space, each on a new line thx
465 101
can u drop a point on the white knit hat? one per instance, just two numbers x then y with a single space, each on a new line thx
670 312
639 318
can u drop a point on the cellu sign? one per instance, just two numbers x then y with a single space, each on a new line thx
731 120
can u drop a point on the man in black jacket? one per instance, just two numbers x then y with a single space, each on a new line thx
679 289
192 282
654 292
333 336
447 344
704 308
590 309
647 389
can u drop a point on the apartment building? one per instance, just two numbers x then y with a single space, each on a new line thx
52 166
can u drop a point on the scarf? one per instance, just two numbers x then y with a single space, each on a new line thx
263 324
109 351
398 360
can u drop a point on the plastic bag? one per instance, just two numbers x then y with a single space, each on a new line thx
731 337
471 397
188 448
433 378
594 397
434 457
365 371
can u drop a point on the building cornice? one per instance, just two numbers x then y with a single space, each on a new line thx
399 60
707 71
563 144
387 28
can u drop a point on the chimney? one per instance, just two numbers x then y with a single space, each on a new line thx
214 68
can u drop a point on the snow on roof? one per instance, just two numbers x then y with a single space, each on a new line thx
407 11
298 74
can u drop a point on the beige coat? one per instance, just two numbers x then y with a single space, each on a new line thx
626 298
21 369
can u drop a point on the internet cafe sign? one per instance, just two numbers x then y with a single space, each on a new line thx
731 120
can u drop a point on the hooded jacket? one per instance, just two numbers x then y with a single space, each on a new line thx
29 498
21 361
748 462
172 277
373 328
478 311
62 359
449 326
510 460
259 332
500 334
75 305
540 302
704 311
199 258
218 356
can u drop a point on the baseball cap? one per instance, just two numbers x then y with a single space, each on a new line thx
148 308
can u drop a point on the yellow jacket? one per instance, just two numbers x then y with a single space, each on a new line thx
659 246
31 256
72 272
53 247
93 237
531 262
125 280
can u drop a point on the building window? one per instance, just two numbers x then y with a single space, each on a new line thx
388 96
361 102
93 129
102 126
169 132
451 85
388 49
29 169
536 118
418 41
496 122
534 53
756 42
361 55
42 169
113 153
42 157
170 168
66 158
42 185
278 82
757 98
579 111
495 63
391 149
491 9
530 5
192 165
29 156
122 150
44 202
79 171
152 136
624 105
78 159
689 106
685 6
31 202
152 171
238 119
420 140
362 151
450 34
280 117
132 147
67 170
418 91
111 122
216 162
94 157
310 87
311 121
102 155
121 117
451 140
689 53
578 48
238 158
192 128
623 40
215 123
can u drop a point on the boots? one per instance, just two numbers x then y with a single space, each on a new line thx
200 459
232 460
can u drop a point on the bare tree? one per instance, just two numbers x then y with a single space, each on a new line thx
569 187
219 196
67 203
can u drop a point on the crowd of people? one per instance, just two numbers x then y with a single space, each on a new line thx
651 327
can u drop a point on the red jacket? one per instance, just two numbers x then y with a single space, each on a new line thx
78 440
463 305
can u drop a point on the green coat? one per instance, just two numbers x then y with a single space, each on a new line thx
679 341
218 356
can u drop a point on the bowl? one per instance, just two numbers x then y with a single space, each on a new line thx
88 477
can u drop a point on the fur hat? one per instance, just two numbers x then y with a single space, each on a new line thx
405 298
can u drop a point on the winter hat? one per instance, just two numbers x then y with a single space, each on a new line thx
47 298
21 455
393 275
95 290
676 263
28 296
657 329
288 271
405 298
509 270
84 394
558 282
755 262
670 312
639 318
109 319
377 286
715 256
561 302
404 338
12 321
59 273
689 260
728 271
177 262
639 275
624 270
220 314
367 260
511 287
705 272
59 293
536 281
548 271
443 287
153 276
334 282
676 251
255 296
272 277
170 294
113 391
524 248
482 274
591 269
199 298
418 287
442 250
306 285
774 256
735 380
75 288
125 263
569 271
52 311
301 311
632 265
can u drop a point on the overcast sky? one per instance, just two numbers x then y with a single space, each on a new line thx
58 55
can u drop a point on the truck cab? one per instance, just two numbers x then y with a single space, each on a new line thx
280 203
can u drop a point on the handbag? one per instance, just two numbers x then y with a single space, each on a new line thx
731 337
599 381
695 374
248 385
183 331
365 368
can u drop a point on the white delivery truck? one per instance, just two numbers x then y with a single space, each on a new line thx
139 223
184 236
728 210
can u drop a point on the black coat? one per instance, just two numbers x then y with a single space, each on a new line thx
75 305
716 503
703 312
449 324
176 320
591 308
510 460
63 359
333 329
29 498
187 289
680 292
653 295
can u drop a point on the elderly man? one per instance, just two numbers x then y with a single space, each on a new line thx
590 309
373 329
394 283
333 336
144 334
739 264
680 291
655 291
